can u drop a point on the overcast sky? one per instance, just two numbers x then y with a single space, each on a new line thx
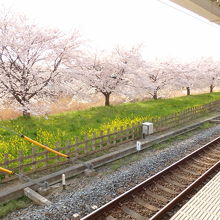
163 30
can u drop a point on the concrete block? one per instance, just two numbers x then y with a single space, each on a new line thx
35 197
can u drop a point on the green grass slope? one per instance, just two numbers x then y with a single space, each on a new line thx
64 127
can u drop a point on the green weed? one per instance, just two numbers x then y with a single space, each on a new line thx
13 205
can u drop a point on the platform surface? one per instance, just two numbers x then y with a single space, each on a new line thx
204 205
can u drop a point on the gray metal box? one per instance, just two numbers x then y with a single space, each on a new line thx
147 128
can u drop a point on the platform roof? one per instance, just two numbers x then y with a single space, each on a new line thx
209 9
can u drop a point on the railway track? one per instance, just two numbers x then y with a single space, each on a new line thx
155 197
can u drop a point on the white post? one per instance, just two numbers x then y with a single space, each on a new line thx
138 146
94 207
76 216
64 181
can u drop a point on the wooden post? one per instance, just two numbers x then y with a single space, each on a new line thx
121 134
162 122
20 168
77 150
155 122
86 146
139 133
101 139
94 141
133 131
176 119
57 157
128 131
171 120
69 147
6 163
34 166
46 162
108 137
115 135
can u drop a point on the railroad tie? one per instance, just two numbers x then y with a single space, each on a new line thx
189 171
186 178
165 189
110 218
202 162
198 167
216 151
173 182
132 213
141 202
208 158
211 154
155 196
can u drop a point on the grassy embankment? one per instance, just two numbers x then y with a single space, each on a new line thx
13 205
64 127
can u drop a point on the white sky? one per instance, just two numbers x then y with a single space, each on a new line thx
106 23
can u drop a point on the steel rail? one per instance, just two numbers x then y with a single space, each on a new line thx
188 190
114 203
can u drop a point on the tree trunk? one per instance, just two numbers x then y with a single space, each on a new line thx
26 110
155 95
107 98
26 113
211 88
188 90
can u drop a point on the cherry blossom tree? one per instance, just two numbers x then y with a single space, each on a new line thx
106 73
210 72
188 76
31 58
155 76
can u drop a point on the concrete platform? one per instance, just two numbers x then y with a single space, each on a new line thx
205 205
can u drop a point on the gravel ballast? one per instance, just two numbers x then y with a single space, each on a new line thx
85 192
